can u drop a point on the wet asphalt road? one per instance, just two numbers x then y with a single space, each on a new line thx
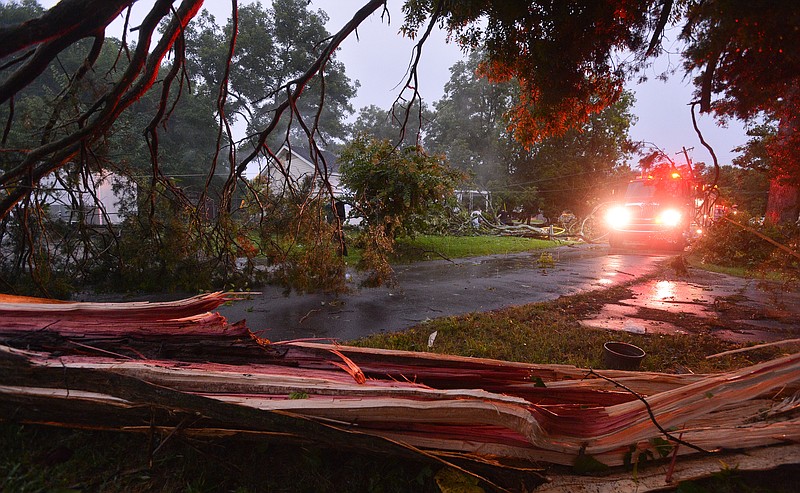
438 288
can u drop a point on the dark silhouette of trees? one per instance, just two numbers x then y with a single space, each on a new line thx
749 67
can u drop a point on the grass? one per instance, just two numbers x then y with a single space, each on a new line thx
550 333
429 247
739 271
432 247
744 272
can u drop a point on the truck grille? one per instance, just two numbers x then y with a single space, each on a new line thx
643 216
647 211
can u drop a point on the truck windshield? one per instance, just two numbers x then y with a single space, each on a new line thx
639 190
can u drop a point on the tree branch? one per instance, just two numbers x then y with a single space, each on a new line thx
67 18
663 18
301 82
137 79
413 77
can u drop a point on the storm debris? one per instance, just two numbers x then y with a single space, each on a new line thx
177 366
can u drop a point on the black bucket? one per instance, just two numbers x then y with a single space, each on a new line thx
622 356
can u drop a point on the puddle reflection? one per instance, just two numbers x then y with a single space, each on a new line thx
671 295
664 290
611 269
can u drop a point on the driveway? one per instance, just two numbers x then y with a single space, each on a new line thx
440 288
731 308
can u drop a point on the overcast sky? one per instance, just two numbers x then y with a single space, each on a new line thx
379 58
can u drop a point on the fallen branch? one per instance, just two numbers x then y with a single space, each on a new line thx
765 238
227 381
753 348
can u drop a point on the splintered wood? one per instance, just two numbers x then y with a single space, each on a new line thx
140 366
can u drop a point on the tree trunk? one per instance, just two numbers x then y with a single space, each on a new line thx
102 366
783 203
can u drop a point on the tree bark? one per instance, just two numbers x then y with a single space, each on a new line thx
783 202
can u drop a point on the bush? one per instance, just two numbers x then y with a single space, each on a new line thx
397 191
729 245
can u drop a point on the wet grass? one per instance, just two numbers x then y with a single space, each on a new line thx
745 272
429 247
550 332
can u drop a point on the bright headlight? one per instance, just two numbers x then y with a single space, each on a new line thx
670 217
618 217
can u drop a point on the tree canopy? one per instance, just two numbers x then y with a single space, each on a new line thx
401 124
745 54
393 191
273 45
473 127
470 124
569 58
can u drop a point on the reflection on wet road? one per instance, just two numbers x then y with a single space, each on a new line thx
436 289
753 311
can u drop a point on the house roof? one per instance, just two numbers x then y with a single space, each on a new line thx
330 158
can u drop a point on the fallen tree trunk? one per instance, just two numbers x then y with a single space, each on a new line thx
169 365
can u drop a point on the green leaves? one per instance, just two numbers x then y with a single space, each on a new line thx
394 191
395 188
274 45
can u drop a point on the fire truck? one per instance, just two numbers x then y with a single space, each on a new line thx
664 206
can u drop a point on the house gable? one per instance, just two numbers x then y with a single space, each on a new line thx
298 165
101 205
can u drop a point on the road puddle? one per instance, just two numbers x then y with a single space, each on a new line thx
623 317
673 296
679 298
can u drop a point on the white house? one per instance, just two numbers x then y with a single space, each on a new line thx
296 164
100 205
